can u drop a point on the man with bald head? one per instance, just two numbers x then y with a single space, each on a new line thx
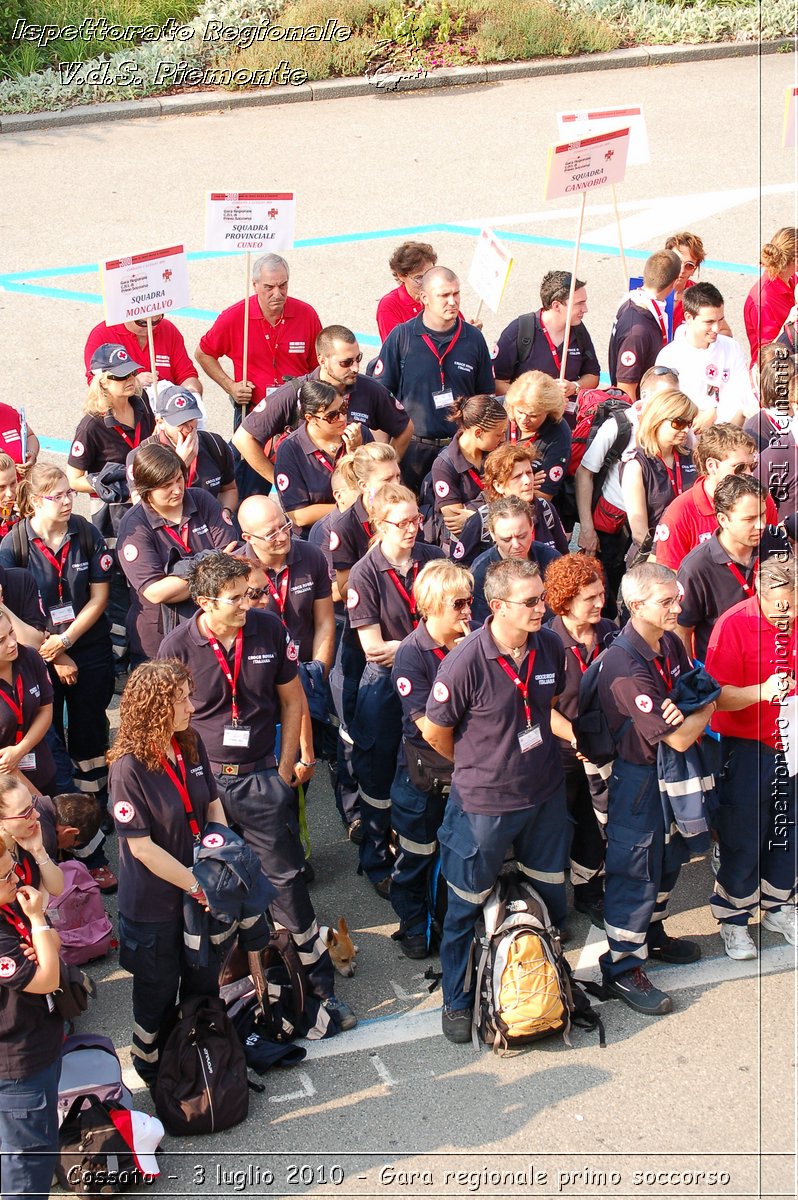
430 361
291 578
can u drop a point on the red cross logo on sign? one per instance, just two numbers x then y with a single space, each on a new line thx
610 154
273 213
167 275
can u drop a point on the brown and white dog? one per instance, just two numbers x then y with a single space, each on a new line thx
343 951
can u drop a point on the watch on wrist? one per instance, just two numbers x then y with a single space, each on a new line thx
193 891
66 641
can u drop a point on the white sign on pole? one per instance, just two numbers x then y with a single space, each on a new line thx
490 269
590 163
790 133
250 221
144 285
588 122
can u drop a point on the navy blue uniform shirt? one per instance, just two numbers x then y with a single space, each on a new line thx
373 598
474 695
304 579
582 358
538 553
303 472
635 342
371 404
454 479
553 443
711 586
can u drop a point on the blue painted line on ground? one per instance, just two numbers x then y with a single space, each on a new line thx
49 293
54 445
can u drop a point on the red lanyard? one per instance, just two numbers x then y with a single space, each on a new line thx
136 436
274 345
441 357
748 588
324 461
16 922
664 672
181 538
15 706
523 686
192 472
59 564
280 597
514 434
180 780
552 347
675 475
583 666
475 478
408 597
663 327
439 654
232 679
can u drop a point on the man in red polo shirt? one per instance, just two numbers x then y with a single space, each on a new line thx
171 357
752 654
281 341
721 450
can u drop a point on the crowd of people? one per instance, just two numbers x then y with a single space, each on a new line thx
405 571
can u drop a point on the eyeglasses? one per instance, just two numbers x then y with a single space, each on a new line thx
230 601
525 416
59 496
667 602
408 523
462 602
335 415
680 424
532 602
687 265
12 874
663 370
416 279
270 537
23 816
347 362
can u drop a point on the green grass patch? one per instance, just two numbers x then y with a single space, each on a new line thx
507 31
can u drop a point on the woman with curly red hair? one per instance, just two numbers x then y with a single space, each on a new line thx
162 795
575 594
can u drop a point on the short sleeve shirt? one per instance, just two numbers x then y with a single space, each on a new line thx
631 692
715 378
553 442
30 1035
377 593
350 534
303 472
688 521
172 360
454 479
292 592
37 691
146 803
745 649
415 667
369 403
21 595
766 308
10 432
268 660
395 308
100 440
713 582
276 352
473 695
635 342
577 660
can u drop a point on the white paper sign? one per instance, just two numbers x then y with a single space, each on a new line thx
588 122
250 221
587 164
490 269
144 285
790 133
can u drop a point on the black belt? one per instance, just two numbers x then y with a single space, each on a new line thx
425 441
234 769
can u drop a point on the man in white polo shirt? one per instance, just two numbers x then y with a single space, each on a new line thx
711 367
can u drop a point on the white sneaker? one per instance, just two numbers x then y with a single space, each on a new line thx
783 921
737 941
714 858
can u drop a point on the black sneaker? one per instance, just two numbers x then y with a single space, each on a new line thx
636 989
413 945
456 1024
593 909
340 1012
677 951
355 831
382 887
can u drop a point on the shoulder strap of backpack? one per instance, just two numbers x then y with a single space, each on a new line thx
525 339
19 542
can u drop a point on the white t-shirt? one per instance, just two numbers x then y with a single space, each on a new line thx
598 450
715 378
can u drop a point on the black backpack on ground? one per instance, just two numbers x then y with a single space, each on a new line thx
202 1078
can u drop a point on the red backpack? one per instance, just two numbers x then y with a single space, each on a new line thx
594 407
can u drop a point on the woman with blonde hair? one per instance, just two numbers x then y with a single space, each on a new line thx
535 405
770 300
163 795
381 608
443 592
659 469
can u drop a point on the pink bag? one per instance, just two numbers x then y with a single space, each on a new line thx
79 916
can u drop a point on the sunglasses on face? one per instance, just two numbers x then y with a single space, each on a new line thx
255 593
532 602
347 362
462 602
744 468
680 424
335 415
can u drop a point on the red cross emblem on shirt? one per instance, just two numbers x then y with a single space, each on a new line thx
7 968
124 812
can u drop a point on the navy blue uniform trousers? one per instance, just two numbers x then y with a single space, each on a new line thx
416 816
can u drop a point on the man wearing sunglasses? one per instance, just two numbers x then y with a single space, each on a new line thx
369 402
172 360
491 713
690 519
712 368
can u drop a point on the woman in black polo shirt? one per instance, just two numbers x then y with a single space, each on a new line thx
163 795
660 469
31 1034
535 405
26 713
72 566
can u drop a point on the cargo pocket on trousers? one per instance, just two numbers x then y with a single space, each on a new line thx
628 852
459 857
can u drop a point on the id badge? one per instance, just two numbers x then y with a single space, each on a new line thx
28 761
61 614
529 738
236 735
443 399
